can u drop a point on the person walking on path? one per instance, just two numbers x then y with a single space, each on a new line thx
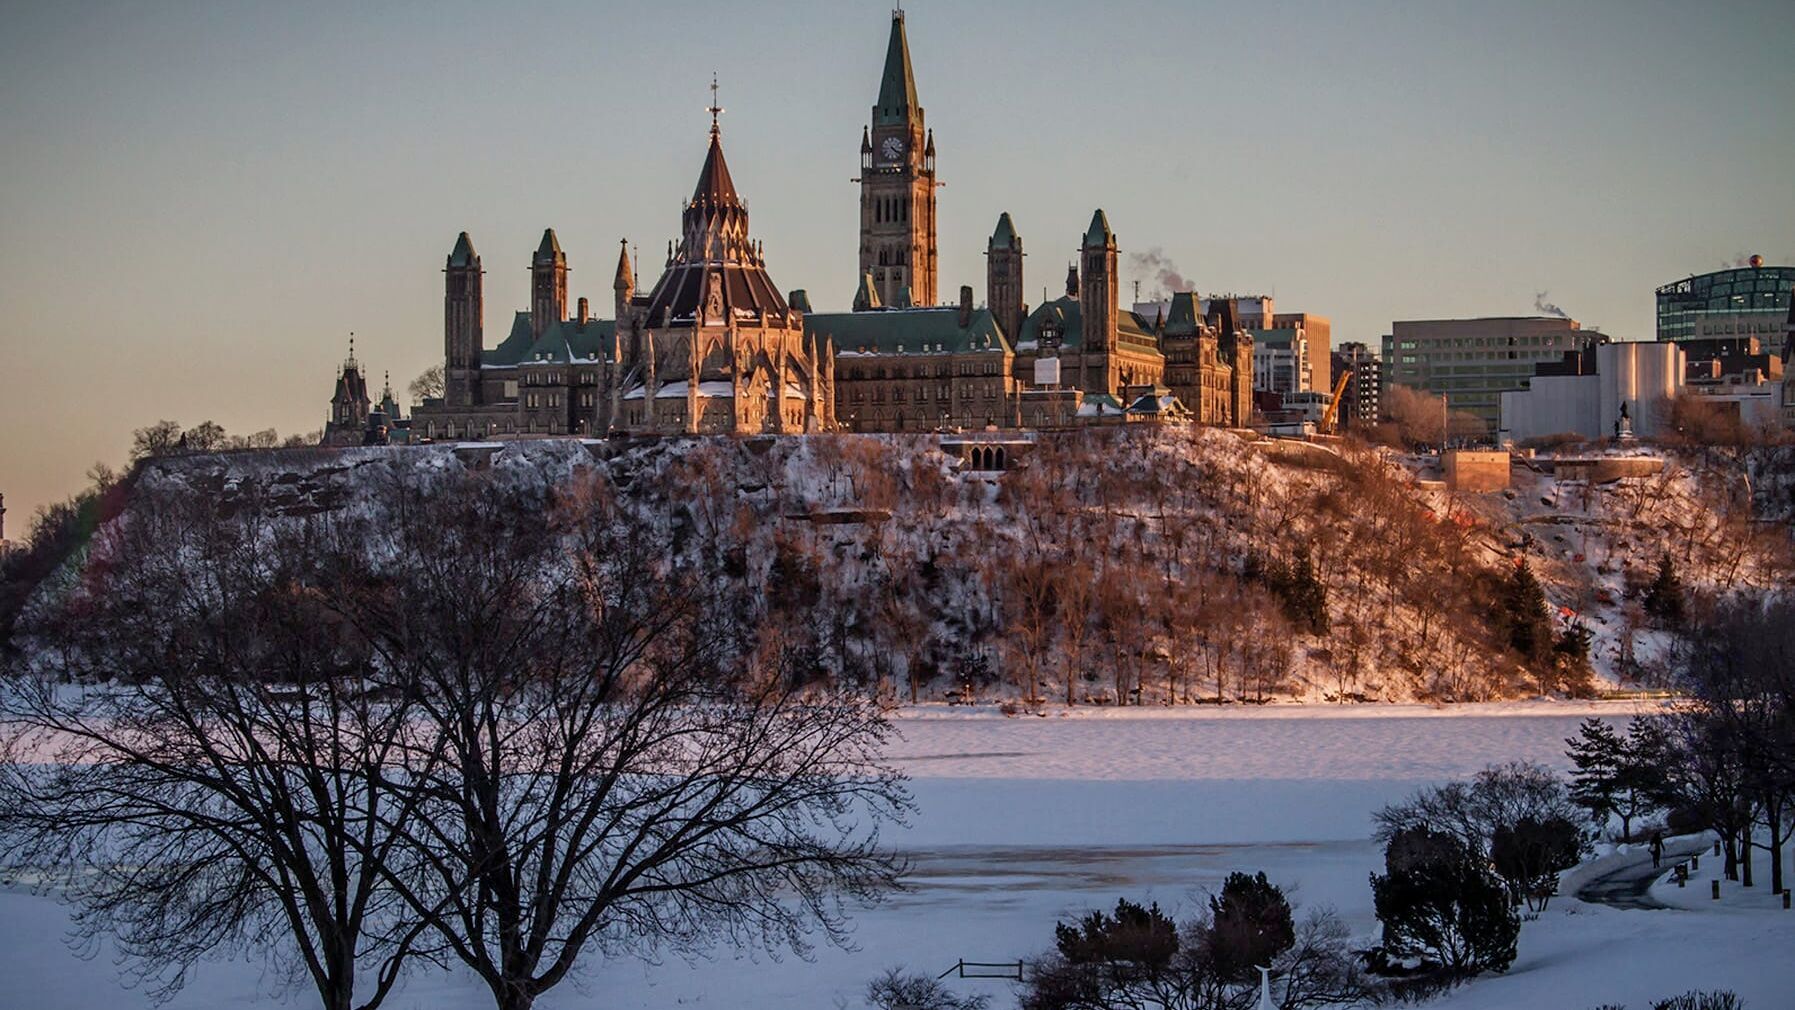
1657 849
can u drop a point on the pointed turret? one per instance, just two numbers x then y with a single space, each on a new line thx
624 286
715 188
463 254
626 275
1071 280
550 246
1098 233
897 89
1005 235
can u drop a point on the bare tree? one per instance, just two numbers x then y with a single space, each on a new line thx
429 384
192 754
158 439
613 777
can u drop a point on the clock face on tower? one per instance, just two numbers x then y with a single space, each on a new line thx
892 149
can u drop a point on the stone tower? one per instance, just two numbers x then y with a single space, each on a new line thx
1098 305
1097 286
463 312
897 186
1003 278
548 284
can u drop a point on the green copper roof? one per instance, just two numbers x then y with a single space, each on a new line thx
568 341
515 347
1098 233
550 247
464 254
1186 317
1005 235
908 331
897 89
1068 316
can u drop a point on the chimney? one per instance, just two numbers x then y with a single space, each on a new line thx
585 313
965 305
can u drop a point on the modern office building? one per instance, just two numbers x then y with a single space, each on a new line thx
1282 362
1748 301
1359 404
1472 362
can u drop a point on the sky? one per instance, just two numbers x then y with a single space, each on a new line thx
199 202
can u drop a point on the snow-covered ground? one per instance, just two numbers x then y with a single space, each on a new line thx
1027 820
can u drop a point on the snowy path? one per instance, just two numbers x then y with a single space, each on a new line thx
1629 885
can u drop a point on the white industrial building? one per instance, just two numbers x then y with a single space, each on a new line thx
1640 376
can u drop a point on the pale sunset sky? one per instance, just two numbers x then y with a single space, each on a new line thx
199 201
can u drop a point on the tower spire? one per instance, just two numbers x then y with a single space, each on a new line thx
897 88
715 109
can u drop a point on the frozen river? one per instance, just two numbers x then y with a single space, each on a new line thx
1021 821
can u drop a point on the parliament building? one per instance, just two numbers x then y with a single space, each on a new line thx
715 346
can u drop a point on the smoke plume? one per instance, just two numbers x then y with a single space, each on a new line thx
1544 307
1155 266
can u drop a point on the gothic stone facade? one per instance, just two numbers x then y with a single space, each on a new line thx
715 347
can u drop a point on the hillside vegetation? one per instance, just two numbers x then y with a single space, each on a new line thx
1148 565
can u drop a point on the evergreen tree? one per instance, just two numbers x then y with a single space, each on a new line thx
1250 925
1664 597
1598 753
1646 770
1524 618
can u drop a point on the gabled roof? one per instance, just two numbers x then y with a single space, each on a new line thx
907 331
897 88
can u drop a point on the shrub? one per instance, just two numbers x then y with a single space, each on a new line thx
1139 958
1445 909
896 990
1134 935
1722 999
1529 856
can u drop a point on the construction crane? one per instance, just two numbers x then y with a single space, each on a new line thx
1327 417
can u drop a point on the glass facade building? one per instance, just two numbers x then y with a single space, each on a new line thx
1750 301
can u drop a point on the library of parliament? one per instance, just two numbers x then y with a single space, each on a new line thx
714 345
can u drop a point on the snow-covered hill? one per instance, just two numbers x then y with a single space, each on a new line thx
1155 563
